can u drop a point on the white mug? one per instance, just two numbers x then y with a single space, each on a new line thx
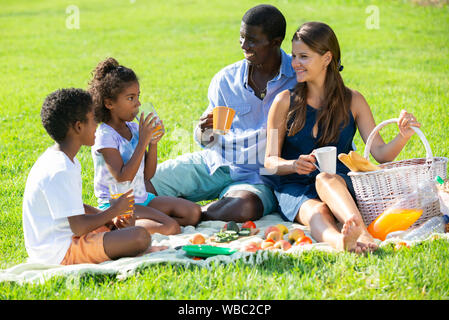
327 159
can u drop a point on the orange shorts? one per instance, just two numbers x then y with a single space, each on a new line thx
87 248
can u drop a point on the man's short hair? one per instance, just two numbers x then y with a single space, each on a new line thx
62 109
269 18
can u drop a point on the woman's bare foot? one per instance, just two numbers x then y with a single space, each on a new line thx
350 233
368 240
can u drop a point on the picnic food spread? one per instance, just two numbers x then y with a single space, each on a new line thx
273 238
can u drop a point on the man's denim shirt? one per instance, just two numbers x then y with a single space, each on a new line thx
243 147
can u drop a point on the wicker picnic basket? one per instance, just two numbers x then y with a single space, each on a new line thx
376 190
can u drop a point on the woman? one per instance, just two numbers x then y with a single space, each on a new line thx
321 111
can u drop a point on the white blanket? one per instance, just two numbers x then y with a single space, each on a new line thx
124 267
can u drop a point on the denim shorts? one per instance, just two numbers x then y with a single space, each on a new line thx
291 196
106 205
188 177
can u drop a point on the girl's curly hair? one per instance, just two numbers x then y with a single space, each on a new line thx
109 79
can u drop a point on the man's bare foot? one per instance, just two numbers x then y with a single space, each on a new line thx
350 233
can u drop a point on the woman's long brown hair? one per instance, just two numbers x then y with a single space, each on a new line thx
333 115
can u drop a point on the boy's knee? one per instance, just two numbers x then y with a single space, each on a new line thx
142 238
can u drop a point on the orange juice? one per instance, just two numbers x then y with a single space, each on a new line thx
129 212
222 119
393 219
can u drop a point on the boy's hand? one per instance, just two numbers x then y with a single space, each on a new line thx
124 221
124 203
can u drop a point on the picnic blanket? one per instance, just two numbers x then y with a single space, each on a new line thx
30 272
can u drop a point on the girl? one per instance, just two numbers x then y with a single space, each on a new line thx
320 111
120 151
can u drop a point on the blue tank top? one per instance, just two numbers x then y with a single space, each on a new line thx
303 142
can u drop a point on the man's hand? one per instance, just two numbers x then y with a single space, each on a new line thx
204 132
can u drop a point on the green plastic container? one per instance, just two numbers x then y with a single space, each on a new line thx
205 251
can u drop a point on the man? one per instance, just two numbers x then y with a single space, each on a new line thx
229 167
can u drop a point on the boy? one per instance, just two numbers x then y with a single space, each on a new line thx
58 227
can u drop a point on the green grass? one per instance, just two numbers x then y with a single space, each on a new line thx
176 47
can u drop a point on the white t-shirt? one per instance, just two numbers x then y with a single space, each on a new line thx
53 192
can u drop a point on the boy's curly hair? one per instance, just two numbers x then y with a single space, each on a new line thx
109 79
62 109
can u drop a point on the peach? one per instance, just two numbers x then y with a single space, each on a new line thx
275 235
252 247
303 241
271 228
282 244
295 234
282 228
198 239
267 243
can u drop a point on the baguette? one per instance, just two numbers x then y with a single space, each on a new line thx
343 157
361 163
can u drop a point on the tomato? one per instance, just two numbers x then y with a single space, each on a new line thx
303 240
249 225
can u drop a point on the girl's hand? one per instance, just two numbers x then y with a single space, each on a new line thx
405 123
158 134
146 128
304 164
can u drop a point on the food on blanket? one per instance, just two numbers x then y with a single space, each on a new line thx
269 229
226 236
232 226
393 219
343 157
282 244
198 239
248 225
295 234
231 232
274 235
252 247
303 241
267 244
282 228
244 232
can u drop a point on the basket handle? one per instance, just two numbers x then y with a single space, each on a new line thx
369 142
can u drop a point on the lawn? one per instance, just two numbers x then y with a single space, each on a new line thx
176 47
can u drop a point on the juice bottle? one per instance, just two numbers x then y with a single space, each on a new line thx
393 219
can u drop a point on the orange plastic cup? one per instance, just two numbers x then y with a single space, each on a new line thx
394 219
222 119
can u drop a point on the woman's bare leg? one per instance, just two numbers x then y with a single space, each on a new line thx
323 227
332 190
